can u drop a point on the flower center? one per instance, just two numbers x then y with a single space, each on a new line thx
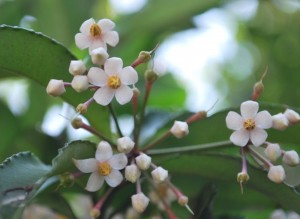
114 82
104 169
249 124
95 30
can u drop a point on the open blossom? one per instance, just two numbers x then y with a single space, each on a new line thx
113 81
94 35
104 167
249 125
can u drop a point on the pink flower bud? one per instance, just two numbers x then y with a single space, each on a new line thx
273 152
291 158
276 174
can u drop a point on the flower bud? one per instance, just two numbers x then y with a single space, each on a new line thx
292 116
258 89
159 174
151 76
77 123
180 129
132 173
278 214
273 152
55 87
144 56
80 83
99 56
280 122
125 144
242 177
143 161
132 214
183 200
81 108
276 174
77 67
136 92
95 213
139 202
291 158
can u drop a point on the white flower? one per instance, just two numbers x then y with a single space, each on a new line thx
114 81
293 215
273 152
104 167
278 214
125 144
99 56
80 83
77 67
291 158
139 202
132 173
180 129
143 161
276 174
94 35
280 122
55 87
250 125
292 116
159 174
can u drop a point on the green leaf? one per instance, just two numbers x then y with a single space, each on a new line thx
20 175
39 58
63 162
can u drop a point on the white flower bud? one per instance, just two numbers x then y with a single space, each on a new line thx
276 174
293 215
280 122
139 202
180 129
80 83
55 87
183 200
143 161
292 116
125 144
278 214
291 158
132 173
273 152
99 56
77 67
159 174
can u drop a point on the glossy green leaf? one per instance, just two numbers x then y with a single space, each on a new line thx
39 58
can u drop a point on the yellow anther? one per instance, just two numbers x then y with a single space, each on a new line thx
114 82
249 124
104 169
95 30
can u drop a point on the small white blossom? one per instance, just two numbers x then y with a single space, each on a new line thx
273 152
291 158
180 129
278 214
104 167
292 116
280 122
139 202
77 67
249 125
132 173
94 35
159 174
80 83
99 56
114 81
55 87
125 144
143 161
276 174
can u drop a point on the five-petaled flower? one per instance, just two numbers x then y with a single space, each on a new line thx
113 81
104 167
249 125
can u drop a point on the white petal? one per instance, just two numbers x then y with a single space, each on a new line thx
118 161
95 182
86 165
124 94
103 152
104 95
240 137
113 66
97 76
249 109
234 121
111 38
128 75
82 41
106 24
114 178
96 43
263 120
86 26
258 136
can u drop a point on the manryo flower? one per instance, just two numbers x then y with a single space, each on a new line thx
94 35
280 122
159 174
114 81
55 87
104 167
139 202
249 125
99 56
292 116
291 158
143 161
180 129
80 83
125 144
276 174
273 151
77 67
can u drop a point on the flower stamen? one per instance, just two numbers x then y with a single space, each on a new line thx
114 82
95 30
249 124
104 169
